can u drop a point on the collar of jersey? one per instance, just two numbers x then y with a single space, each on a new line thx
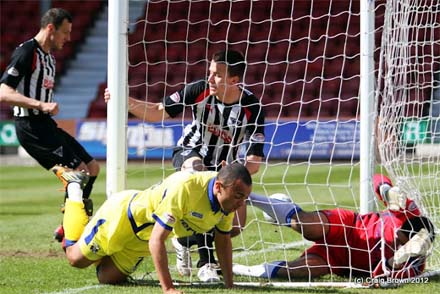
215 206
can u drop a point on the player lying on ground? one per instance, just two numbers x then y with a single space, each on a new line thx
134 224
347 242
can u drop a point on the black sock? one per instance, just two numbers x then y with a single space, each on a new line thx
206 249
187 241
88 188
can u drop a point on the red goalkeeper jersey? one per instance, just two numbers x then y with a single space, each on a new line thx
354 241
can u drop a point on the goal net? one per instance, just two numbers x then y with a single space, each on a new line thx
303 63
408 129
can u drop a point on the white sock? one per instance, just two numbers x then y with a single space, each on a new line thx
264 270
281 211
74 192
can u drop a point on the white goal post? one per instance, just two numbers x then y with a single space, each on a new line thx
348 88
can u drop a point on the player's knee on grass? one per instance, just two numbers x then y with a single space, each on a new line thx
76 258
108 273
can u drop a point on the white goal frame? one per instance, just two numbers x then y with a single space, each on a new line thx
117 108
117 111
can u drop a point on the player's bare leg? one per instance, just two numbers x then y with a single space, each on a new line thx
108 273
311 266
239 221
312 225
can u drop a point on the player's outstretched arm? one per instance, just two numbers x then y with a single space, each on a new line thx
150 112
147 111
253 163
160 259
223 246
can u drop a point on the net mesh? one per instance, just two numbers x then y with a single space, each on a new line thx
408 119
303 62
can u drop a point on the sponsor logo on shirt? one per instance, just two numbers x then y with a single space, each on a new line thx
168 219
13 72
234 121
94 248
197 214
257 138
48 84
216 131
187 226
59 151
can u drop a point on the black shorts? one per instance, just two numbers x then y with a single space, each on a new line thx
181 154
48 144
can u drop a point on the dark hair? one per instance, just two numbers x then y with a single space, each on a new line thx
413 225
234 61
232 172
55 16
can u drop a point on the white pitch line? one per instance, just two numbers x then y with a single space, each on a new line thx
76 290
240 254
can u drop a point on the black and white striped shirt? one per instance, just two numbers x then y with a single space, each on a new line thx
218 130
32 73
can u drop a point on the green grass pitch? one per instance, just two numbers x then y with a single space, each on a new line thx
32 262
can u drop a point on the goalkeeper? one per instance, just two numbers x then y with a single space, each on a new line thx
349 243
224 117
134 224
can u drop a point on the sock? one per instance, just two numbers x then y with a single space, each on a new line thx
187 241
273 268
281 211
264 270
88 188
74 221
206 251
74 192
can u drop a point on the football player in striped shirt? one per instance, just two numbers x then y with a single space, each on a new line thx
27 85
133 224
225 117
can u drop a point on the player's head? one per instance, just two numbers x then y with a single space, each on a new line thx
413 225
233 186
226 70
58 24
233 60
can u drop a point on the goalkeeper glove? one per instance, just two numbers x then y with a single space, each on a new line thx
393 197
419 245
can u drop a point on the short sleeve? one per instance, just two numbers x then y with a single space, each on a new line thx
19 66
176 102
225 225
171 208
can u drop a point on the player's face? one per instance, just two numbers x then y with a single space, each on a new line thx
218 80
233 196
61 36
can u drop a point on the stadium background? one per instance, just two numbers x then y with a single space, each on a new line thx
316 80
26 193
